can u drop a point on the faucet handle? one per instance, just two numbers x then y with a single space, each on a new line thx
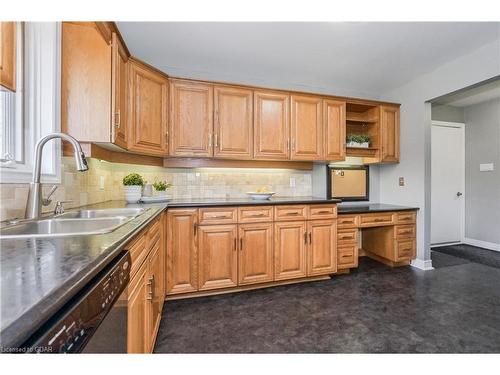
46 201
59 208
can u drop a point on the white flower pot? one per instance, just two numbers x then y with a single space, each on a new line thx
133 193
359 145
161 193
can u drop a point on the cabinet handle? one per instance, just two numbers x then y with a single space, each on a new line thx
310 238
219 217
150 284
345 237
288 145
195 228
167 137
346 256
378 220
209 139
293 144
292 213
216 142
234 244
324 212
241 243
258 215
404 218
406 232
305 238
117 120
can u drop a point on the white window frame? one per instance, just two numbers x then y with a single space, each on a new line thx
39 83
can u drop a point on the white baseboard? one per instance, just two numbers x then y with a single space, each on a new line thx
425 265
483 244
445 244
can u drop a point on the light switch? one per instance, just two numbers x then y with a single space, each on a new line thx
101 182
292 182
401 181
486 167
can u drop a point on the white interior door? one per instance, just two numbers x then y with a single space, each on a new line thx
447 182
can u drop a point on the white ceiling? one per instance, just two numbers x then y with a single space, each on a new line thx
476 95
344 58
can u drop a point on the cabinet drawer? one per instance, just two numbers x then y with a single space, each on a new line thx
375 220
347 236
255 214
323 211
290 213
405 249
153 232
406 217
405 231
347 256
218 215
138 251
347 221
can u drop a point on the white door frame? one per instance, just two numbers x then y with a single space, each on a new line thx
461 126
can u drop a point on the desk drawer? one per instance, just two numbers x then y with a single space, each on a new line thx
347 236
347 256
375 220
322 211
408 217
255 214
405 249
218 215
402 231
347 221
290 213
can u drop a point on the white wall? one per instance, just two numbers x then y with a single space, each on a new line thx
482 64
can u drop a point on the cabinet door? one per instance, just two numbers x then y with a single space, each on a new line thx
8 55
233 123
148 110
271 125
218 256
334 127
306 128
182 251
322 248
389 130
191 119
155 292
119 92
289 250
255 262
137 311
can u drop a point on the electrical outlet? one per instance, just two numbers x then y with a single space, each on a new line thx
101 182
487 167
401 181
292 182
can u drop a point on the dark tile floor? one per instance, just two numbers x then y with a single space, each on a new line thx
472 253
375 309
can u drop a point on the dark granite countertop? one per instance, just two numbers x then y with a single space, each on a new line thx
207 202
358 208
38 276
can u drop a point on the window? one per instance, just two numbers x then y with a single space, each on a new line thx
33 110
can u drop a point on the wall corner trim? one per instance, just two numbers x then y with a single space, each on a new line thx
424 265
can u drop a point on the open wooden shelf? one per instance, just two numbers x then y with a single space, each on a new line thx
361 151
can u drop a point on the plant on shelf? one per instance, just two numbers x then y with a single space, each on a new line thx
161 187
358 140
133 183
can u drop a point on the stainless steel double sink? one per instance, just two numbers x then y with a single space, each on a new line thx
72 223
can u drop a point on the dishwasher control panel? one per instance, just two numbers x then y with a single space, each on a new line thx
72 327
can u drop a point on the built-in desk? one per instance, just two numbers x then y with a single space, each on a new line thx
388 234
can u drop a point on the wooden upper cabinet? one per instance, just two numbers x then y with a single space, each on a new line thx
334 129
389 134
191 118
147 115
8 55
306 128
290 243
85 83
255 261
271 125
182 251
119 92
218 256
233 123
322 249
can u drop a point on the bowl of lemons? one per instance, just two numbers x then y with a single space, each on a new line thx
260 193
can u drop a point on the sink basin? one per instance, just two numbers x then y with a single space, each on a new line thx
111 212
61 227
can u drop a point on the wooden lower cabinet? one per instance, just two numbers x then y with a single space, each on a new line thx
156 292
255 259
290 243
322 249
182 251
137 338
218 256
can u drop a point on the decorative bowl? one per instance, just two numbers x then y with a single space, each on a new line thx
260 196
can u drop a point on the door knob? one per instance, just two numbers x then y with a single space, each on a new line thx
459 194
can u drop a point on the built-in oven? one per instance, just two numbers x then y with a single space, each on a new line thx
93 320
349 183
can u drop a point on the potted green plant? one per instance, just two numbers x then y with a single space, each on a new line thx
161 187
358 140
133 183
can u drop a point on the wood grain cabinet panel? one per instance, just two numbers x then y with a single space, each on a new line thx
322 250
8 55
255 260
137 311
406 217
191 119
218 257
306 128
347 221
147 110
290 243
271 125
347 256
334 129
119 92
389 131
252 214
218 215
156 291
233 123
182 251
290 212
322 211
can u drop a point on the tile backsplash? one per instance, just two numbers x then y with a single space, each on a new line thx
103 182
